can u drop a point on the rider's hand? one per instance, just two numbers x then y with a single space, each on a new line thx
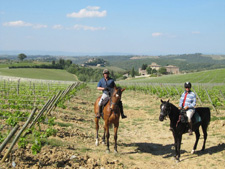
106 89
186 108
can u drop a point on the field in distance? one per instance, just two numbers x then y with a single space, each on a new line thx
208 76
35 73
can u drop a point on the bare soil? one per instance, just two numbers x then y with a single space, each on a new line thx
143 141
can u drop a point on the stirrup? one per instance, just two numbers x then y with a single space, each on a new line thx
123 117
190 132
98 116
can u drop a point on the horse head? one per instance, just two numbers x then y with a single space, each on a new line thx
165 109
116 97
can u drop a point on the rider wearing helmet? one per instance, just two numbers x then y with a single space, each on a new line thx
106 85
188 102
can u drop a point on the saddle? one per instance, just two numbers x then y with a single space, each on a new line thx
184 119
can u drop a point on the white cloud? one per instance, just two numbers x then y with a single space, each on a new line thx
17 23
88 12
195 32
39 26
84 27
156 34
24 24
57 27
93 7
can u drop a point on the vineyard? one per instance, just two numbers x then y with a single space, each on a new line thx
211 95
25 111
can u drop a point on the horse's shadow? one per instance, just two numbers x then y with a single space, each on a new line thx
168 150
152 148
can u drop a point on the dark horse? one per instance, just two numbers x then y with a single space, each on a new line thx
178 128
111 115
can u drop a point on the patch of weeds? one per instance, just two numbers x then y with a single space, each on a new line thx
150 111
214 118
64 124
53 142
136 108
85 149
131 158
122 125
139 120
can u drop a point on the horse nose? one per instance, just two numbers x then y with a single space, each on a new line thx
161 118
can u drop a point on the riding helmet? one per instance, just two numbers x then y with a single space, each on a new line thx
105 71
187 85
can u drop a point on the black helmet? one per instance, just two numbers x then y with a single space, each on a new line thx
105 71
187 85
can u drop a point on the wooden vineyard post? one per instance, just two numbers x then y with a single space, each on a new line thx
18 87
19 134
11 134
34 88
222 94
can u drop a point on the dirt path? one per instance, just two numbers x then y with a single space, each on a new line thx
143 141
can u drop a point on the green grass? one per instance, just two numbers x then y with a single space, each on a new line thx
24 63
47 74
64 124
214 118
209 76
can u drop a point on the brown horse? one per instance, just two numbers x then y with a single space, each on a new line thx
111 115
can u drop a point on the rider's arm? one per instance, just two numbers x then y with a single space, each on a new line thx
100 88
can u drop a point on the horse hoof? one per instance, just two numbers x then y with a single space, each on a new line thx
96 143
103 142
177 161
115 151
107 151
193 151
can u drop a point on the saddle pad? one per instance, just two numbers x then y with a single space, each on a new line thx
196 118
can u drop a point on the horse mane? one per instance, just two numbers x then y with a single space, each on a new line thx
174 114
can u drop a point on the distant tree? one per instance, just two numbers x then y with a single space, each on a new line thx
132 72
62 62
53 62
162 70
68 62
154 71
144 66
22 56
113 75
149 70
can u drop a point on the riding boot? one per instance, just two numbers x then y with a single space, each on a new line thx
121 110
190 128
99 112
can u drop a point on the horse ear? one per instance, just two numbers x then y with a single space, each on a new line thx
161 100
123 89
168 101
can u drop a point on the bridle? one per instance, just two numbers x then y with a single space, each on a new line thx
114 103
166 112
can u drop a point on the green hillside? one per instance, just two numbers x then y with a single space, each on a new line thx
209 76
47 74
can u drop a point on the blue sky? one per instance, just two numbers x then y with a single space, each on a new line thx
144 27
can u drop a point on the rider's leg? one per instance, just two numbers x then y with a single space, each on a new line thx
121 110
100 104
190 113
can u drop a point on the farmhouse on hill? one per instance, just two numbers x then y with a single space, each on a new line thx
169 69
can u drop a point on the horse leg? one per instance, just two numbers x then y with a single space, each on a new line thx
107 136
103 137
204 129
197 134
115 136
178 147
97 128
175 144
